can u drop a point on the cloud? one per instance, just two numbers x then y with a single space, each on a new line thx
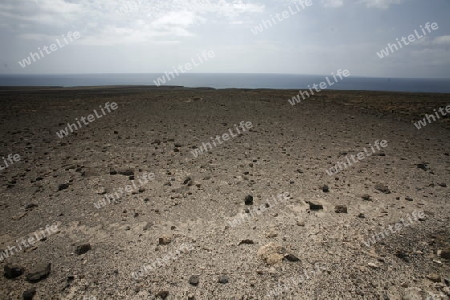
382 4
103 22
332 3
442 40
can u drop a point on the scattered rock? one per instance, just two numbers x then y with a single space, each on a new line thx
313 206
30 206
188 181
434 277
165 240
408 199
301 223
223 279
101 190
361 215
83 248
402 255
325 188
29 294
340 209
373 265
366 197
40 272
246 241
63 186
382 188
248 200
271 253
194 280
423 166
12 271
126 172
271 234
291 257
445 253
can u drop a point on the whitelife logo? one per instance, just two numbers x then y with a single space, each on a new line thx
91 118
27 61
422 123
16 158
265 24
397 227
29 241
323 85
203 148
411 38
360 156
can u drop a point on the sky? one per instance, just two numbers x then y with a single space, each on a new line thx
153 36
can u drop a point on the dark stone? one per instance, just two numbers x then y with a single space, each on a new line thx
29 294
40 272
83 248
382 188
248 200
445 253
31 206
423 166
12 271
340 209
313 206
194 280
402 255
246 241
366 197
408 198
188 181
126 172
223 279
291 257
325 189
63 186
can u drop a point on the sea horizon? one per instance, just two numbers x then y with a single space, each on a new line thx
231 80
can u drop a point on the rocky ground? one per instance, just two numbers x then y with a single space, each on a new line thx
311 244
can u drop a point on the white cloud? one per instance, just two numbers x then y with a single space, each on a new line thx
332 3
124 21
442 40
382 4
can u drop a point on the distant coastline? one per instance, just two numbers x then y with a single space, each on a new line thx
229 80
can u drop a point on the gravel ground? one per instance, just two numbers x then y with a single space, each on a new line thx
255 217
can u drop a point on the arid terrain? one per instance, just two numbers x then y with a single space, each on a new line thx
207 225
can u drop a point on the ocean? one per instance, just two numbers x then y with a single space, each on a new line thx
229 80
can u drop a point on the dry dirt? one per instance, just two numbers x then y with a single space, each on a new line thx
192 200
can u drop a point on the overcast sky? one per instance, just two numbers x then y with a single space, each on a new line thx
152 36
